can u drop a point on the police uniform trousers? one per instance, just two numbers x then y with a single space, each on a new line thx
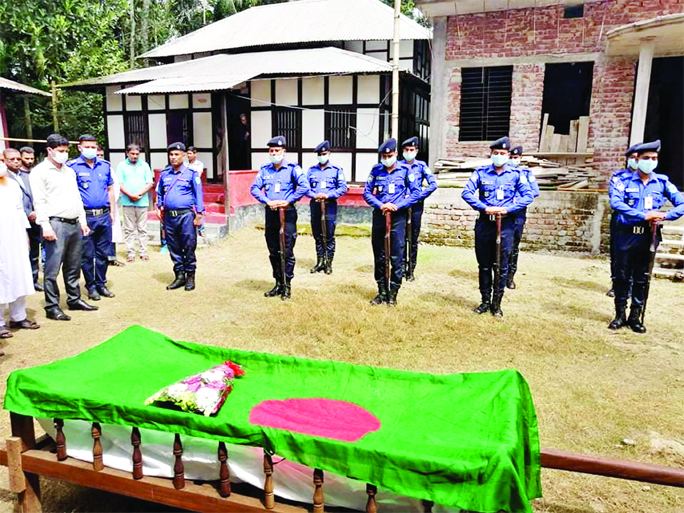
416 221
65 253
632 259
181 239
485 251
520 219
273 241
96 249
324 247
34 235
397 246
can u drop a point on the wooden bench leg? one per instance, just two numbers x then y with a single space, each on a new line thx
26 486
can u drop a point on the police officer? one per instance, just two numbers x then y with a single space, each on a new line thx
95 182
279 185
521 215
180 204
497 189
632 166
637 198
391 189
326 184
423 174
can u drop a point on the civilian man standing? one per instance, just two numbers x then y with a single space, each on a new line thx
14 165
94 177
59 212
28 158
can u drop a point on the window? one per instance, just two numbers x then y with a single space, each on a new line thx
567 93
414 117
485 103
340 128
135 130
178 128
573 11
422 59
288 122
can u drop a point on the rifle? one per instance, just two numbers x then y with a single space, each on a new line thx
497 272
281 233
651 263
324 230
388 230
409 230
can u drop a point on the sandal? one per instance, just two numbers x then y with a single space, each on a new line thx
144 257
130 258
5 333
26 324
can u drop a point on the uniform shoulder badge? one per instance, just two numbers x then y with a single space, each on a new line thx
523 178
531 176
474 176
411 177
620 185
672 188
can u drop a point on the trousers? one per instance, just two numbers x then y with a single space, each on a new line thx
485 251
324 247
65 253
96 251
397 246
181 239
272 234
135 229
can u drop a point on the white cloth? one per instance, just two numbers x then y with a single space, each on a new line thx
117 232
198 166
55 194
17 311
16 278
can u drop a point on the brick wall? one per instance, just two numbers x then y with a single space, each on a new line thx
556 221
541 34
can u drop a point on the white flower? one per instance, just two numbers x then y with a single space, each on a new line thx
212 375
206 398
177 390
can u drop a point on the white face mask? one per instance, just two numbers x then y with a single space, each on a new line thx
410 155
3 169
59 156
89 153
388 162
499 160
647 166
323 159
514 162
632 164
276 159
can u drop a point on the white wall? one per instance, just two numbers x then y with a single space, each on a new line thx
261 128
286 91
208 161
341 90
133 102
367 123
259 159
114 101
201 100
159 161
369 89
156 102
313 127
313 91
364 164
202 129
115 131
260 93
178 101
157 127
116 158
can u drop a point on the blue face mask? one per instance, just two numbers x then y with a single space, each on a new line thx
647 166
89 153
499 160
632 164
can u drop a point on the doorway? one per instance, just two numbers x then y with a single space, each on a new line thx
567 93
239 131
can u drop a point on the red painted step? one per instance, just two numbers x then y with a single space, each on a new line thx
214 197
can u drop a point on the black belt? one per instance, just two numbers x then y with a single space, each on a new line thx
635 229
97 211
492 217
178 212
64 220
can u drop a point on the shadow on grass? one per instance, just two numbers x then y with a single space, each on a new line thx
465 274
591 286
256 285
305 263
560 508
580 312
450 300
366 269
164 278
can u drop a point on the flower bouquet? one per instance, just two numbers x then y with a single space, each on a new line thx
202 393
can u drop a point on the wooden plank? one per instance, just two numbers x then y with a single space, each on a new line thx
17 481
22 428
548 137
545 123
574 127
555 142
583 134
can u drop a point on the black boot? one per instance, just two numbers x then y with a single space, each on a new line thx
392 295
320 265
190 281
382 295
485 306
178 282
611 293
635 320
328 265
286 292
275 291
620 318
510 282
496 306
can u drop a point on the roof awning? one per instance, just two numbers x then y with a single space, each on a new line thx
188 84
21 88
665 33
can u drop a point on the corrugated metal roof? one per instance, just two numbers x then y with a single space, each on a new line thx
16 86
304 21
226 70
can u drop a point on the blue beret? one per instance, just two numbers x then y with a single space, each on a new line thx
518 150
388 146
501 144
413 141
632 149
176 146
277 142
644 147
324 146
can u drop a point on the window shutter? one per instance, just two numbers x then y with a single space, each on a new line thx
485 103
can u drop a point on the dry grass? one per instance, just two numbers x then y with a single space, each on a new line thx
592 387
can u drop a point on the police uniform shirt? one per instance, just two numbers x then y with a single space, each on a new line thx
328 180
180 189
531 180
616 178
423 173
509 190
93 182
400 187
631 198
287 183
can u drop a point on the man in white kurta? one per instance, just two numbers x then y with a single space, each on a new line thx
16 277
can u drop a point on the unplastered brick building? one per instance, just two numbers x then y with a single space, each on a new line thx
500 66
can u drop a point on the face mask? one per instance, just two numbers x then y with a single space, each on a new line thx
410 155
632 164
276 159
514 162
89 153
323 159
3 169
388 162
60 156
647 166
499 160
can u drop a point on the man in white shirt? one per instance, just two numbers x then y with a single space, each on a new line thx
193 162
60 213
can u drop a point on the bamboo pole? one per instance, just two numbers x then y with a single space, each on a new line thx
395 71
55 119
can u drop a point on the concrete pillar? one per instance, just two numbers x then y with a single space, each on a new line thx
438 103
641 94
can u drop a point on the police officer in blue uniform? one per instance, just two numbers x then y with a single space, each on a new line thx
391 189
631 167
326 184
94 177
180 204
521 216
423 174
637 198
279 185
497 189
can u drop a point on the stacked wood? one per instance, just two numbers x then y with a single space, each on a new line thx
573 142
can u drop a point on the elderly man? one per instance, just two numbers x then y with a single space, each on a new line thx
60 213
15 270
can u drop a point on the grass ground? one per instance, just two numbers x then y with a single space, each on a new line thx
592 387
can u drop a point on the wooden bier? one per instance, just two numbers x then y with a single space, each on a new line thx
318 497
137 454
269 496
178 470
97 447
224 473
